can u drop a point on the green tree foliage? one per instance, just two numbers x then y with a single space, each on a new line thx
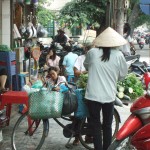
132 82
44 15
135 16
80 13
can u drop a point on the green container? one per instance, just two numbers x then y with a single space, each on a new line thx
27 2
4 48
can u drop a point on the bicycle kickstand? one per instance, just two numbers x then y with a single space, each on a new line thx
69 146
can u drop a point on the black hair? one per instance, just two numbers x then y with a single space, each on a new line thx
68 48
53 68
127 29
106 54
53 49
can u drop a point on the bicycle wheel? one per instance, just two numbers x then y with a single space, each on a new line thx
25 137
84 130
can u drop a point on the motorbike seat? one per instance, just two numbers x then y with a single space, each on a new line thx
137 64
128 58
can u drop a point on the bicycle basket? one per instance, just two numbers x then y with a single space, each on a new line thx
45 104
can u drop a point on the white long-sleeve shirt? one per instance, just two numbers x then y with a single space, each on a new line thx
103 76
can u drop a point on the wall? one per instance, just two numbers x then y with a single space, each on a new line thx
0 22
5 30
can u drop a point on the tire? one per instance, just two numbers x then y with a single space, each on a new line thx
21 140
84 130
141 46
121 145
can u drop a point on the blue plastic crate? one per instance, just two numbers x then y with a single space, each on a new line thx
7 56
8 61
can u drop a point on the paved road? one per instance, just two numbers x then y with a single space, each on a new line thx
145 53
55 139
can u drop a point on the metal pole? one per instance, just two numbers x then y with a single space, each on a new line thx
11 22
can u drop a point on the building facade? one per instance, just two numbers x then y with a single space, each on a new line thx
5 23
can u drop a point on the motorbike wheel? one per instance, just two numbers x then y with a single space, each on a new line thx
141 47
121 145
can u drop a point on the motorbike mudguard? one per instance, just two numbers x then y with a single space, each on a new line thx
141 139
131 125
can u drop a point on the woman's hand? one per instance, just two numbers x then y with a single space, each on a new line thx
56 89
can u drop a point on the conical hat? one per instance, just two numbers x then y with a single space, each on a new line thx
109 38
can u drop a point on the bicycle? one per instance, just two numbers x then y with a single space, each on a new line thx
37 130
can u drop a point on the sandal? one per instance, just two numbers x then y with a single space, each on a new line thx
4 90
76 141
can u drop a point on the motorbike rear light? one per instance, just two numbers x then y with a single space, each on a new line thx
146 78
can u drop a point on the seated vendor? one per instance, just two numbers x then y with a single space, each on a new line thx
54 78
3 79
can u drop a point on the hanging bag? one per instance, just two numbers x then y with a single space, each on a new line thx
45 104
70 103
82 111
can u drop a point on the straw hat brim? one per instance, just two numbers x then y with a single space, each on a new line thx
109 38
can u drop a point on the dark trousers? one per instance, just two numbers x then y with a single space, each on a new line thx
96 126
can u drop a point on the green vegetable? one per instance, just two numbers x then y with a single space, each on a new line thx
133 86
130 86
82 81
130 90
121 89
120 95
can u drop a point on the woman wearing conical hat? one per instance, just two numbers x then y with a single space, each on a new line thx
106 65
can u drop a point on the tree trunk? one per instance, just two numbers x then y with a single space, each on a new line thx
135 13
108 14
120 16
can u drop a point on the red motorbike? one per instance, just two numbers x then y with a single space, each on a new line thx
135 133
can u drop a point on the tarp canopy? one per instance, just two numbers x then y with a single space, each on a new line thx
145 6
145 2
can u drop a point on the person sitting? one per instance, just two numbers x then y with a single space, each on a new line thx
3 79
60 38
52 60
54 78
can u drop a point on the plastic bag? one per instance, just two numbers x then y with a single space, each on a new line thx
82 111
63 88
29 90
37 84
41 32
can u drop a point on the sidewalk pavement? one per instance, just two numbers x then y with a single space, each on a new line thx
54 141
